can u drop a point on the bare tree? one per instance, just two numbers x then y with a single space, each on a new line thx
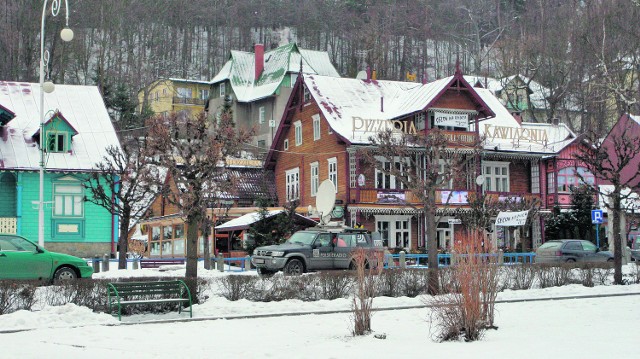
614 161
194 151
425 163
125 184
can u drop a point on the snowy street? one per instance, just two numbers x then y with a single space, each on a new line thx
603 327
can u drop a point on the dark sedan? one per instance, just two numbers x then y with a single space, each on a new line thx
571 250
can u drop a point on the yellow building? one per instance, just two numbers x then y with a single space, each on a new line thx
174 95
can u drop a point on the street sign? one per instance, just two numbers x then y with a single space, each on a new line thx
596 216
454 221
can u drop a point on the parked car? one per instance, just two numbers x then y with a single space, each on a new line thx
317 248
635 250
23 259
571 250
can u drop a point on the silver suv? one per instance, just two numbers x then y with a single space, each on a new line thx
313 249
571 250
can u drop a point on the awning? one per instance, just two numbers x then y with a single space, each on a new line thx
245 221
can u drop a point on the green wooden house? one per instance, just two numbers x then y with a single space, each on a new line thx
77 131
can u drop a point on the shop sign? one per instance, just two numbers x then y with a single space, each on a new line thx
454 197
451 119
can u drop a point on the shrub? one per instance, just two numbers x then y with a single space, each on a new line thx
413 282
554 275
17 295
521 276
469 311
335 284
364 291
388 283
236 287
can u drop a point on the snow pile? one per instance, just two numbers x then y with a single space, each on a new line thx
68 315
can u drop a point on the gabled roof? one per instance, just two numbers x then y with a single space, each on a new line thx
240 70
343 99
84 110
5 115
59 116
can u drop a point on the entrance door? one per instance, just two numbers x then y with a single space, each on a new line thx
444 234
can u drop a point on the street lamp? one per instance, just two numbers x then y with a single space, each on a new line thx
67 35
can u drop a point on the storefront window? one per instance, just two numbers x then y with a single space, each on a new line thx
155 233
179 231
178 247
155 249
166 248
168 232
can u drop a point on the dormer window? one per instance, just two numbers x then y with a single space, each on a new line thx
56 141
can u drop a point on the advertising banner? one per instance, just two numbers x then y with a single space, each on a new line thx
508 219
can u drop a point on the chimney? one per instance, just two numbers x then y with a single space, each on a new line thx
518 117
368 73
259 59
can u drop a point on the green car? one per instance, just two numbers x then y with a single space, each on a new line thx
22 259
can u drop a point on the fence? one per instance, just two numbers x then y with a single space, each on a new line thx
401 260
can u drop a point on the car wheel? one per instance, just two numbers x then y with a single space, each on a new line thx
265 273
570 260
610 260
64 274
294 267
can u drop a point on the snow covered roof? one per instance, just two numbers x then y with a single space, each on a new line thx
344 101
82 107
244 221
204 82
505 133
630 201
240 70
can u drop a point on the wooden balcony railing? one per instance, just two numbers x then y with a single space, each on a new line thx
188 101
451 197
461 138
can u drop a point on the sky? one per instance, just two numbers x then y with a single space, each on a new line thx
544 325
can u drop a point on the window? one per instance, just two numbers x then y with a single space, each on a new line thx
442 165
307 95
204 94
314 178
56 141
294 78
569 177
222 90
68 199
293 184
262 144
286 144
333 171
261 113
496 176
184 92
384 180
402 234
316 127
298 129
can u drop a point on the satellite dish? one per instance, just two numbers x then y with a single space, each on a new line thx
362 75
325 199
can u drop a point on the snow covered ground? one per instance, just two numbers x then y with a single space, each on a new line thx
561 328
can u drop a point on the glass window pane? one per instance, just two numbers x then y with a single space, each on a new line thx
68 205
75 189
155 248
77 205
58 206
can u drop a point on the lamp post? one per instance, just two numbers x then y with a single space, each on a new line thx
67 35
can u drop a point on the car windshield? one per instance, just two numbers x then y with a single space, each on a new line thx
304 238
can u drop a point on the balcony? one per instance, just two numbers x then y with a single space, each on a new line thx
189 101
450 197
461 138
8 225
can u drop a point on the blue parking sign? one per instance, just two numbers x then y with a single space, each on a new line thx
596 216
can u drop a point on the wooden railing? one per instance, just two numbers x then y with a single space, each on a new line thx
458 198
188 100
